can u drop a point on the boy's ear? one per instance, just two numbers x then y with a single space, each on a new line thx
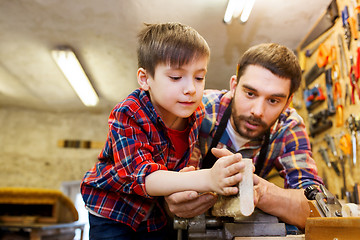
142 79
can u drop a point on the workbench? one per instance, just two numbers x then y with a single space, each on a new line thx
289 237
63 231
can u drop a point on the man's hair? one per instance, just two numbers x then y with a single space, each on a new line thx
278 59
170 43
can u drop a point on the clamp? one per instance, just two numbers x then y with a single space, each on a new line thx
326 203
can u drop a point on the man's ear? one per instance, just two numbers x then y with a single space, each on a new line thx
142 79
289 101
233 85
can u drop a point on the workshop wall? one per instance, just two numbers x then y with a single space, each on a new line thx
323 102
30 155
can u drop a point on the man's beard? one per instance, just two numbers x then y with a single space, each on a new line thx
245 132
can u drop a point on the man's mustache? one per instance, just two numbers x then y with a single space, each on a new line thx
253 120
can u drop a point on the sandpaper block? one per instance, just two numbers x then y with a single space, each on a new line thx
241 204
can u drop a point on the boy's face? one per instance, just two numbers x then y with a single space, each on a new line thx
177 92
258 99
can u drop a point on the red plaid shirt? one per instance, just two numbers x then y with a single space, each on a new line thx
137 145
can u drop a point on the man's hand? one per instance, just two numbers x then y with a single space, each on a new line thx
290 205
189 204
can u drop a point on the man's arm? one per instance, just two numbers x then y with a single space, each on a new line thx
289 205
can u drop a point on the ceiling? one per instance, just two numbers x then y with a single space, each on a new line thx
103 35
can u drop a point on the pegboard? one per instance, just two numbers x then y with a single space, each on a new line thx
328 63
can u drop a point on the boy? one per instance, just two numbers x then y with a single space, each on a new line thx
151 135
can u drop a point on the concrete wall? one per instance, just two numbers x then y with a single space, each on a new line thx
29 152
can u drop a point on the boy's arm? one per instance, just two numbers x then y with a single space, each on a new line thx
221 178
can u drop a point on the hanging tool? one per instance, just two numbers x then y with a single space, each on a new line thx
309 52
352 126
352 22
353 81
319 67
346 26
326 158
345 146
339 107
313 97
331 144
319 122
347 94
329 91
343 62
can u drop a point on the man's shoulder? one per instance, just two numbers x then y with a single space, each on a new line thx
290 122
291 116
212 99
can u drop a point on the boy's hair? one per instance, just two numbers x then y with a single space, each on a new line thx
278 59
170 43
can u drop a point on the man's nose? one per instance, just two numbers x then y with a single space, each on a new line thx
258 108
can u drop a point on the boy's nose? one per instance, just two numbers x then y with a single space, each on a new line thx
189 87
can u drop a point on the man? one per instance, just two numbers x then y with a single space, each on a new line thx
260 125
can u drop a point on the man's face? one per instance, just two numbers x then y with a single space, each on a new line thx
258 99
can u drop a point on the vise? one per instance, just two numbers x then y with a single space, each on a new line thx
209 227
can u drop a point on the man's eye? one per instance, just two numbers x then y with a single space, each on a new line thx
250 94
273 101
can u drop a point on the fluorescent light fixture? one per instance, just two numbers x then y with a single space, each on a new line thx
247 10
66 59
236 8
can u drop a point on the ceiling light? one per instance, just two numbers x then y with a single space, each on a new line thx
236 8
66 59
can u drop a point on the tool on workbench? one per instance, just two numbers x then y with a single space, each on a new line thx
326 158
319 67
323 202
346 26
329 91
351 122
313 97
319 122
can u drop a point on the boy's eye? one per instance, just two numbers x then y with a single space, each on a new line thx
175 77
199 78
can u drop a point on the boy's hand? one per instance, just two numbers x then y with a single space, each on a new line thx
226 172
